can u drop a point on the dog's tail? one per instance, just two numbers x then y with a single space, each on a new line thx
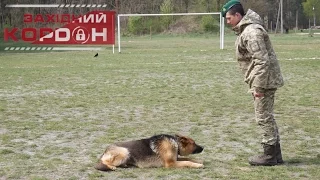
101 167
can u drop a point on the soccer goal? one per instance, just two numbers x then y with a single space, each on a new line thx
174 14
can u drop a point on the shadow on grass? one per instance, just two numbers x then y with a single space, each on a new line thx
303 161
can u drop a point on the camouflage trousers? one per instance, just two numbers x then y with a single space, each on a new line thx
264 117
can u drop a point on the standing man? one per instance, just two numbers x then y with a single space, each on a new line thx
261 70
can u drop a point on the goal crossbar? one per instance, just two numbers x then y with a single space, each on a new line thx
175 14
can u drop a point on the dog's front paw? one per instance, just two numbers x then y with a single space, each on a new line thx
198 165
198 161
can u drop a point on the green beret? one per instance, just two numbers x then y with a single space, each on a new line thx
228 6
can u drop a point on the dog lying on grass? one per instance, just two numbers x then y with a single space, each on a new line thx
157 151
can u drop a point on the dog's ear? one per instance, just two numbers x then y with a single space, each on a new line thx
178 136
182 139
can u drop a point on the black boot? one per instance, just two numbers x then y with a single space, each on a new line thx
268 158
278 154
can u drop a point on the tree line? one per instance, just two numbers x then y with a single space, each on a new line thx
296 13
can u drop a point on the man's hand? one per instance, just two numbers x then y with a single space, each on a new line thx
258 92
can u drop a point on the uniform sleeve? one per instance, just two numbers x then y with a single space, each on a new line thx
256 46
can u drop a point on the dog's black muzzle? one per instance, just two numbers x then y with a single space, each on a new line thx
199 149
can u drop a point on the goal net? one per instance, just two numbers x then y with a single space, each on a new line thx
221 23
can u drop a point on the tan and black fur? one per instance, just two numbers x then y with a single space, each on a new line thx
157 151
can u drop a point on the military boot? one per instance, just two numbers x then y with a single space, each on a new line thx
278 154
268 158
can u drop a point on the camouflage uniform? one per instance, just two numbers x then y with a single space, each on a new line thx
261 70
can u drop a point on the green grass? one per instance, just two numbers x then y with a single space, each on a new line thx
59 110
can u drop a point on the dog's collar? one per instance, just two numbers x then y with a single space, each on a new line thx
174 140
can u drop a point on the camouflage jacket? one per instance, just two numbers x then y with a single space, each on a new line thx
255 54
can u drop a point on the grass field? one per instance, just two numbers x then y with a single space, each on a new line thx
59 110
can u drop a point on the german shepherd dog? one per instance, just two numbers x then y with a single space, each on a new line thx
157 151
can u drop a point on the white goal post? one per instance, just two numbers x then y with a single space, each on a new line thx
175 14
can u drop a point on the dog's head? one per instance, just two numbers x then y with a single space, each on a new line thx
187 146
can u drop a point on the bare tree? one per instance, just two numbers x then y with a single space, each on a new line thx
267 9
